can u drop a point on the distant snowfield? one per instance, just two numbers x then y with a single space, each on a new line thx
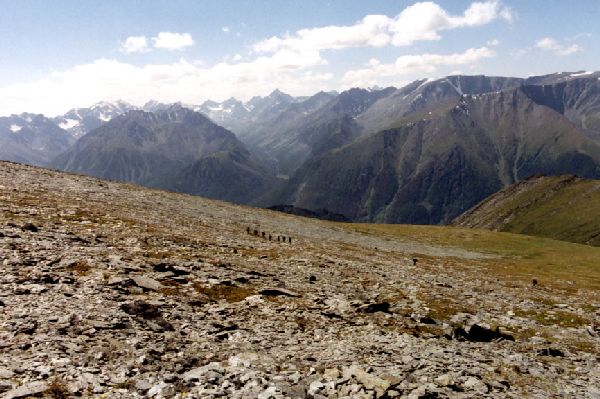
15 128
575 75
68 124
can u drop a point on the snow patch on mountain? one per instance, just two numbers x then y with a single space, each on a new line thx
575 75
15 128
68 124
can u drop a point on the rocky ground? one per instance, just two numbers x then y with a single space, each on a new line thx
116 291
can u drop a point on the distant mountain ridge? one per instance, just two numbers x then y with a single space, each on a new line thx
176 149
31 138
80 121
423 153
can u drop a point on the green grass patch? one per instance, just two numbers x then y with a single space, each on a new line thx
555 264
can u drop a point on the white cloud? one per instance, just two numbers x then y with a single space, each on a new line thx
293 63
187 81
420 21
412 64
172 41
371 31
550 44
225 29
493 42
134 44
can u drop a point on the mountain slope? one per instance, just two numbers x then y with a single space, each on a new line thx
577 96
417 99
432 170
310 128
559 207
128 292
32 139
176 149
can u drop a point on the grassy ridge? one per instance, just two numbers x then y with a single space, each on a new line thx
562 207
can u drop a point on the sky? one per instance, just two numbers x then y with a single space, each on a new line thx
62 54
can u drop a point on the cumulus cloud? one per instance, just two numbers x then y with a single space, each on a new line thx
550 44
293 63
412 64
420 21
164 40
134 44
187 81
172 41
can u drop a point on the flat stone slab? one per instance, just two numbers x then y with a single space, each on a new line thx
147 283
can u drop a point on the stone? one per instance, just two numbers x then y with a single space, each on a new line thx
444 380
376 307
30 389
368 380
142 309
478 333
28 327
6 373
30 227
199 372
147 283
551 352
315 387
157 390
5 386
278 292
268 393
475 384
332 374
143 385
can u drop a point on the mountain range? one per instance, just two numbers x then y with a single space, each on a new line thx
423 153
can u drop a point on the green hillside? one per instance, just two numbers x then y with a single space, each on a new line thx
562 207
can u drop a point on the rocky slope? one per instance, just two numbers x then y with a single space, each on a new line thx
113 290
560 207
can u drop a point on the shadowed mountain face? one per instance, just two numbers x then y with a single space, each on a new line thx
291 130
576 99
176 149
32 139
431 170
325 124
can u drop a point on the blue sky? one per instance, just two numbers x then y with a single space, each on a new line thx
57 55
